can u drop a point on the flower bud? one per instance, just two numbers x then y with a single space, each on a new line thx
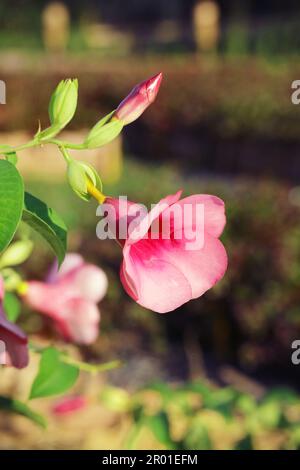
138 100
63 103
103 133
79 174
17 253
115 399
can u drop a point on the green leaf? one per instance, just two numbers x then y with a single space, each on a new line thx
282 395
12 306
15 406
47 223
11 202
167 394
246 443
197 437
159 425
54 376
269 414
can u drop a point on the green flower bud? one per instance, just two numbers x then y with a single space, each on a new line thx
103 132
16 253
63 103
79 174
62 107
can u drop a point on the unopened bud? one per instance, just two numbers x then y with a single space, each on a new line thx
63 102
79 175
138 100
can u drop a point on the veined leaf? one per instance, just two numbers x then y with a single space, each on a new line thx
54 376
47 223
11 202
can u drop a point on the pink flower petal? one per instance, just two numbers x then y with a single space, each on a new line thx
16 348
15 341
157 284
70 300
87 281
139 232
68 405
203 268
138 100
121 214
78 320
214 213
71 261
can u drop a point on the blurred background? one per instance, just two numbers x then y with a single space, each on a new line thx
216 373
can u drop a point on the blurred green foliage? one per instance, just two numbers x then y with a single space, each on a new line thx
199 416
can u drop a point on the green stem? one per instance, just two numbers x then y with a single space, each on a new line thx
67 145
30 144
64 153
93 368
59 143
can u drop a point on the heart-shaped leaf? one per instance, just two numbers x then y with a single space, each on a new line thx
11 201
54 376
47 223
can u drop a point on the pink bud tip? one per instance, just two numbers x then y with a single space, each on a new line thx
153 85
139 99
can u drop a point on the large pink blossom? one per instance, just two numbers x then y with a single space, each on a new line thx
15 341
138 100
163 273
69 297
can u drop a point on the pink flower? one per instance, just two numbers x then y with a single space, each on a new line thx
138 100
67 405
69 297
162 273
15 341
